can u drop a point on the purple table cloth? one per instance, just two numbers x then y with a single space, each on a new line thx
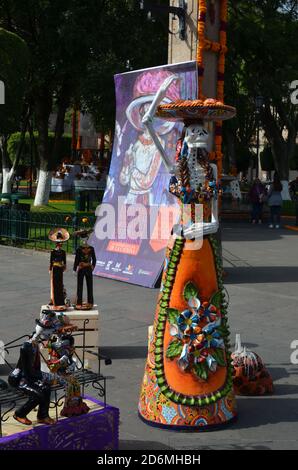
97 430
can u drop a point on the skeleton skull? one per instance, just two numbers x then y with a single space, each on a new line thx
196 136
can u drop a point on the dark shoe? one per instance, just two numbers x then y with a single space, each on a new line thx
46 420
25 420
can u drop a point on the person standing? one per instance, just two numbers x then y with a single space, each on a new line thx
275 202
256 195
293 187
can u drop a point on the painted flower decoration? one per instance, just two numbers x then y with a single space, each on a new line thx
197 331
188 321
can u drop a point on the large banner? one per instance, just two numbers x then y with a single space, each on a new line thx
130 234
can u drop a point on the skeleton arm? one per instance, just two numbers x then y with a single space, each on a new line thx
148 120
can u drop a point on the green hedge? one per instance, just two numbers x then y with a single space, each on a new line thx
14 141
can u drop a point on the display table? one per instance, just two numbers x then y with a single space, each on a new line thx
59 185
85 185
96 430
88 319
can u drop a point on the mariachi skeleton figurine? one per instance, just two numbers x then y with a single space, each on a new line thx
57 268
84 264
188 378
61 351
28 377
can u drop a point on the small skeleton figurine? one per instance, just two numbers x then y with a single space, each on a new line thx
84 264
61 350
57 268
28 377
193 178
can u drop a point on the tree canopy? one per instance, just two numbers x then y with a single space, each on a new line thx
13 73
263 61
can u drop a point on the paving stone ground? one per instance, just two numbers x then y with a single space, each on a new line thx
262 282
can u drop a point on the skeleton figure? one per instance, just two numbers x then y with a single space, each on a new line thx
193 171
142 160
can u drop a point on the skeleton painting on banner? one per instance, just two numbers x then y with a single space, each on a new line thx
138 177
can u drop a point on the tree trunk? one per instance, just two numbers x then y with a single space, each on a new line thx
281 148
7 179
47 161
43 109
43 187
7 168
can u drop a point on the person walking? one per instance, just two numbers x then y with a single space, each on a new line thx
257 195
275 202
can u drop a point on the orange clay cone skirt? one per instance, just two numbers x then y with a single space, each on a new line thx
194 397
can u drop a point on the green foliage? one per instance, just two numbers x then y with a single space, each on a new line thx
13 72
263 60
128 41
25 160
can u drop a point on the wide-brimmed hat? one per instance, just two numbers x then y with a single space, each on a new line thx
189 111
82 233
59 235
145 88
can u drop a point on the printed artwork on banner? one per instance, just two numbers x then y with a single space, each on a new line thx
137 186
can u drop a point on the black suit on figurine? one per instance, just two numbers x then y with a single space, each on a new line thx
31 382
84 264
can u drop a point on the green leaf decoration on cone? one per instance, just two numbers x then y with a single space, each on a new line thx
174 349
219 356
216 299
173 314
190 290
201 371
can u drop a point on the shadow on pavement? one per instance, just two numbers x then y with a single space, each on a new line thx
260 411
246 232
124 352
261 274
285 389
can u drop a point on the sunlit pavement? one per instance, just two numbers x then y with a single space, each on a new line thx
262 282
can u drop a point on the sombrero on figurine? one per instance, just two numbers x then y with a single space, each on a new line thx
82 233
59 235
195 110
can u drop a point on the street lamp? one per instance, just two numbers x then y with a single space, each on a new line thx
179 11
259 101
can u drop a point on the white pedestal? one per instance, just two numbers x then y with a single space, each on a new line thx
79 318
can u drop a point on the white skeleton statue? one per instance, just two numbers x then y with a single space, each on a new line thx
196 137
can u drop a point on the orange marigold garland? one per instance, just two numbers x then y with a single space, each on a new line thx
220 48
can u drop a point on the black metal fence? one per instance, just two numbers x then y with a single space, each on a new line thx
19 227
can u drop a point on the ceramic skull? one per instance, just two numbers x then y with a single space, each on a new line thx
196 136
